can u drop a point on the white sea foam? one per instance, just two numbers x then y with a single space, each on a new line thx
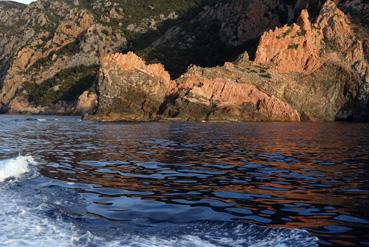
15 168
24 221
21 224
25 225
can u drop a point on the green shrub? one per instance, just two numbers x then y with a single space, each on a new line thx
71 84
285 34
330 45
293 46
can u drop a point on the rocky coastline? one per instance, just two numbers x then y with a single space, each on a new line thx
312 67
294 77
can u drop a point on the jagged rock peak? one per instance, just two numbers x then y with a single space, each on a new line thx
302 47
303 21
295 48
332 20
131 61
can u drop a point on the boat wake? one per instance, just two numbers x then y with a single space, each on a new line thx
28 217
16 168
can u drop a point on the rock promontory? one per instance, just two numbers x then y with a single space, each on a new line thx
210 60
310 70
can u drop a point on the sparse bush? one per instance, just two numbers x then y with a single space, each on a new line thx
330 45
67 85
293 46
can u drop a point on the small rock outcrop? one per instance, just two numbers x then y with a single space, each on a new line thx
130 90
87 103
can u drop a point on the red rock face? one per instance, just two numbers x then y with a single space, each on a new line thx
131 62
295 48
304 47
235 100
130 90
143 91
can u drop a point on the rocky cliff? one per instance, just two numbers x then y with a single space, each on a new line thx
64 57
130 90
50 50
304 71
327 54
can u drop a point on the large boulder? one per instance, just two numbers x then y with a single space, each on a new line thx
87 103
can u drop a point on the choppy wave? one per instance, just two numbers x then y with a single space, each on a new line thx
25 221
15 168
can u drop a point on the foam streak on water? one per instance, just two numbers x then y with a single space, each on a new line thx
24 222
21 219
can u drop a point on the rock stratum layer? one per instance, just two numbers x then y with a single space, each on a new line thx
302 60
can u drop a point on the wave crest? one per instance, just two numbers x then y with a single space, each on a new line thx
16 167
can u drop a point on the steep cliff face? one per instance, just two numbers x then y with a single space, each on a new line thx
9 15
51 52
304 71
331 45
130 90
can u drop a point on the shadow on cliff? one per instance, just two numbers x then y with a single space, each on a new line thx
199 39
199 43
354 110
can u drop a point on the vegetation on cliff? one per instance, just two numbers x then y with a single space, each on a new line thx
50 50
66 85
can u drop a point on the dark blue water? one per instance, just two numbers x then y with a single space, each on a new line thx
183 184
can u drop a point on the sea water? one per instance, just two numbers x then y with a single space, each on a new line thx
64 182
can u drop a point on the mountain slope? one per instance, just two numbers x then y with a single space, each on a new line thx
46 68
51 50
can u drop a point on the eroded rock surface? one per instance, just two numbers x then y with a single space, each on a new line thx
131 90
311 65
330 45
306 71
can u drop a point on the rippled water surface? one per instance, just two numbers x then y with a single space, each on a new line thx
183 184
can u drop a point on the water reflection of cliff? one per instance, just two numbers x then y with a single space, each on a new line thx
282 173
